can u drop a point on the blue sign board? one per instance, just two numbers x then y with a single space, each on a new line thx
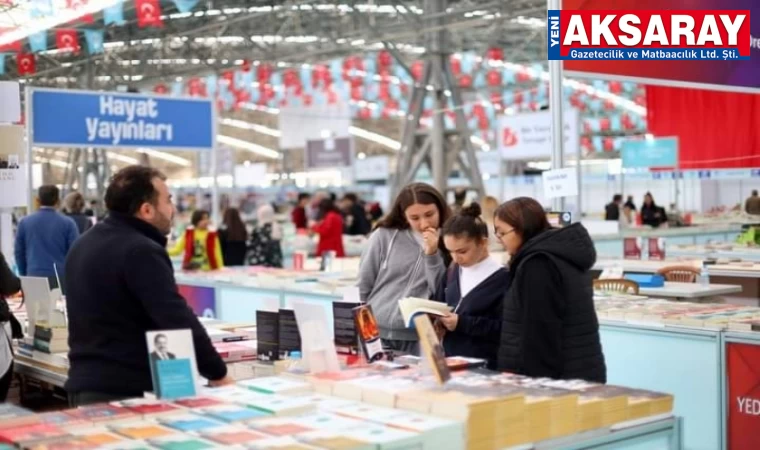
648 153
67 118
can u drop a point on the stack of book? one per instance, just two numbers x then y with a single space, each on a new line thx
48 339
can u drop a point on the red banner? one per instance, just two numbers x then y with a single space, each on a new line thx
743 379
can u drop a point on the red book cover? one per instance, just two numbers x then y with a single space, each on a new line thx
30 433
631 248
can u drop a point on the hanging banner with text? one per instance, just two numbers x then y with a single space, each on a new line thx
743 380
66 118
529 136
650 153
329 153
719 74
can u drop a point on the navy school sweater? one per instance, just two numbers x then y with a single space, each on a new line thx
478 330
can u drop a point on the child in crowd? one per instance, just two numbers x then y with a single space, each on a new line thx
404 257
474 286
199 245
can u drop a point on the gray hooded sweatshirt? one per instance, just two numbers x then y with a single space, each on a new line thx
393 266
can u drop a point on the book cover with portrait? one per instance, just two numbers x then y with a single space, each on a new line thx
173 366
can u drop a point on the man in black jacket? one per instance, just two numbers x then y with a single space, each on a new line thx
119 285
612 210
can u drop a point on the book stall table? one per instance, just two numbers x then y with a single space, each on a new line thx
690 290
744 275
351 411
682 356
611 246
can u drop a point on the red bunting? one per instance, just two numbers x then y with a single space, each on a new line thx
465 81
495 53
604 123
418 69
148 13
493 78
160 89
616 87
263 73
67 40
609 144
609 105
246 66
26 64
384 58
522 77
456 65
229 77
196 88
497 99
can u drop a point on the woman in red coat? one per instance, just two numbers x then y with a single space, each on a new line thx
329 228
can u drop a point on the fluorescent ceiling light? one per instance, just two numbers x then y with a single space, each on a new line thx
250 146
168 157
375 137
122 158
250 126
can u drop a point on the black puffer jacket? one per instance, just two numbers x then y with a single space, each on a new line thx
550 328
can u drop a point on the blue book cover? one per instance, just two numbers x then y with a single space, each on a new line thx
190 422
175 379
172 364
233 413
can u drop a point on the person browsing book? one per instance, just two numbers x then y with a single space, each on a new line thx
404 257
549 327
474 287
119 286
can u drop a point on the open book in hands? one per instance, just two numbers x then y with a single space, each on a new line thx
411 307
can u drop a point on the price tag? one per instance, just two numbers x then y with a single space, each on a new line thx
560 182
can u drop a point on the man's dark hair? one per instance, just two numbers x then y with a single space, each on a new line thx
159 336
754 192
130 188
303 196
617 198
49 195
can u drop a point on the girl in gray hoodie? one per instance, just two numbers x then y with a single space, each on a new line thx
405 257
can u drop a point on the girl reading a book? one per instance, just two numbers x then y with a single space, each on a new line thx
404 257
474 287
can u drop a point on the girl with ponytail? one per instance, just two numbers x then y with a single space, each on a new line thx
474 286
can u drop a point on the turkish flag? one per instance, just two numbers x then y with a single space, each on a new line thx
148 13
67 40
26 64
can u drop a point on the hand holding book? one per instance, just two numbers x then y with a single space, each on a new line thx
450 321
